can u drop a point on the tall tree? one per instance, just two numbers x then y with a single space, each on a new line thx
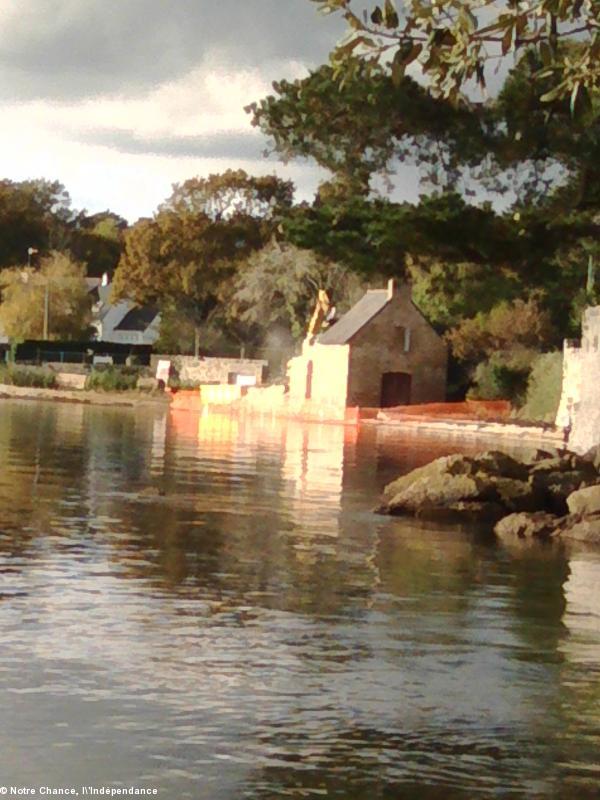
377 235
356 127
183 257
97 240
278 287
51 298
233 193
33 213
543 136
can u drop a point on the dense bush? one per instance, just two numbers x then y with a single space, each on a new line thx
175 382
113 379
508 327
544 388
503 376
18 375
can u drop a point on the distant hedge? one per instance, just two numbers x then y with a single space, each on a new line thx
113 379
16 375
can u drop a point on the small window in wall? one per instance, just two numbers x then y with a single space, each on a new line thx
403 336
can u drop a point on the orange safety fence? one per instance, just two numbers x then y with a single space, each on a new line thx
467 410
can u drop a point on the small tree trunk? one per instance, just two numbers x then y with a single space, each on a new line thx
196 341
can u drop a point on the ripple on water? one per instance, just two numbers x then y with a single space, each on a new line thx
210 608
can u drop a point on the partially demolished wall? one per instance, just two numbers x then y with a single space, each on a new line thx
579 409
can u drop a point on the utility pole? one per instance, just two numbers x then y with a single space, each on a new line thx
30 252
46 308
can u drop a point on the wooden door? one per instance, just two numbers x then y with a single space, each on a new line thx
395 389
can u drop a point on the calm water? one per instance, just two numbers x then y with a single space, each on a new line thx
210 608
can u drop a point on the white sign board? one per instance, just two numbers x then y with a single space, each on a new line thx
245 380
163 370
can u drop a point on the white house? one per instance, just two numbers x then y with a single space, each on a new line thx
122 322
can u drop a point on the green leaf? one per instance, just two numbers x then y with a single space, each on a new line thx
480 74
583 103
377 16
574 94
390 15
442 37
468 19
398 68
555 93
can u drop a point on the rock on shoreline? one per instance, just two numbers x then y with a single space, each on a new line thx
544 495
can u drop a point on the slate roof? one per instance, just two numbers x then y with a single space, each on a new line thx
359 315
138 319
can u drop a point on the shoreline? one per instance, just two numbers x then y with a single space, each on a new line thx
510 431
92 397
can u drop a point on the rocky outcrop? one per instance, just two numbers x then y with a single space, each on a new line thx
489 485
584 529
542 526
593 456
585 501
536 525
545 496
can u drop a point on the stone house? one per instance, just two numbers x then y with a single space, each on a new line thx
382 353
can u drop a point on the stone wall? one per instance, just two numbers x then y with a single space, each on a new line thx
571 383
68 367
213 370
585 408
70 380
398 339
319 379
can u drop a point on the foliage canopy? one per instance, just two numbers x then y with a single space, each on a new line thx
24 291
456 41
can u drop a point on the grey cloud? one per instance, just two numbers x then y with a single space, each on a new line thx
68 49
237 146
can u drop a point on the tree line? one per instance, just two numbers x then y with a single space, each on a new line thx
501 247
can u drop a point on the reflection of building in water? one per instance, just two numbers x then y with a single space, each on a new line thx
314 466
284 482
205 428
159 444
579 735
328 537
582 613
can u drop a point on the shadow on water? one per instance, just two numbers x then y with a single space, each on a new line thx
208 605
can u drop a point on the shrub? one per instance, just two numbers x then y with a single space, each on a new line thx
112 379
176 383
17 375
508 327
543 388
504 376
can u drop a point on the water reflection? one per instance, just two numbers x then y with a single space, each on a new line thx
207 605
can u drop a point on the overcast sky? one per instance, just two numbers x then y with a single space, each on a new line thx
118 99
